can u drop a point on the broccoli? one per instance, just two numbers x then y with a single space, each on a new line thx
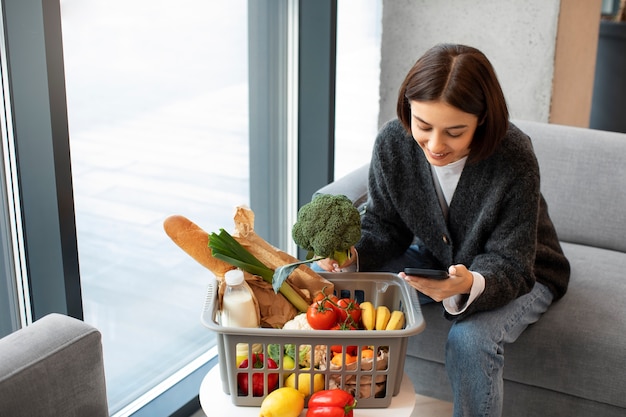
328 227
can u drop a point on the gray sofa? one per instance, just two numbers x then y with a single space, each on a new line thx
573 361
54 367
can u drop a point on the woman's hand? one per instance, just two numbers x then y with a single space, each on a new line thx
330 265
460 281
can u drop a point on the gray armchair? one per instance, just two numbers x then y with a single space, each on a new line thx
572 362
53 367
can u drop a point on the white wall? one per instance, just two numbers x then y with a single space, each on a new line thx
519 38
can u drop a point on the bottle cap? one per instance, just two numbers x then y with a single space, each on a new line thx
234 277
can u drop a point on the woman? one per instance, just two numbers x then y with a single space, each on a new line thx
453 185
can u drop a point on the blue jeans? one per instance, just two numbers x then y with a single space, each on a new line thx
475 346
475 351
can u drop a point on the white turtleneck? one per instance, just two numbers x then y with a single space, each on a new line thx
446 179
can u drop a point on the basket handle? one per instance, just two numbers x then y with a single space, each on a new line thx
209 310
416 312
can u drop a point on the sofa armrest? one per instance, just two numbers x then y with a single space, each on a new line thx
353 185
53 367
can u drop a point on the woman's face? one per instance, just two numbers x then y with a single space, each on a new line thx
443 132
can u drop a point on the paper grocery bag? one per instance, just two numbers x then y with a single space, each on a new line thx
359 384
303 279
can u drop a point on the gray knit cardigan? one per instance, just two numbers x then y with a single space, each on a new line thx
498 223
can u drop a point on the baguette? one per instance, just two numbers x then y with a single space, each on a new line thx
195 242
273 310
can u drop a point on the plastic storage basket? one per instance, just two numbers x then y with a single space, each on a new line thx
374 381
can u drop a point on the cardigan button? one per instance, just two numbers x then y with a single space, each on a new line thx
446 240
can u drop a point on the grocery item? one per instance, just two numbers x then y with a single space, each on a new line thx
363 387
283 402
373 378
258 378
274 308
331 403
238 307
396 321
304 382
382 317
368 315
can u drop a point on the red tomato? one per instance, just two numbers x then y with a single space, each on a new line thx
343 326
321 315
321 296
350 311
258 382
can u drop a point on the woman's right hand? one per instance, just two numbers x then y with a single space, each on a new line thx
331 265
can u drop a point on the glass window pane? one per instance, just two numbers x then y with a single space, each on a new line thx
359 28
157 105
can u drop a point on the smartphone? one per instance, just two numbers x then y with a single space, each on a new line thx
427 273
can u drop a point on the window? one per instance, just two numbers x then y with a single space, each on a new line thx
157 108
149 90
359 27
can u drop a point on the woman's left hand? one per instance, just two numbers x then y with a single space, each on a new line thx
460 281
331 265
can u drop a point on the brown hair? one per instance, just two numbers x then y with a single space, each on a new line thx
463 77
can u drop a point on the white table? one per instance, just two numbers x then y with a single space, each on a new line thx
215 402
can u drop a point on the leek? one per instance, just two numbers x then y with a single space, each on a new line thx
225 247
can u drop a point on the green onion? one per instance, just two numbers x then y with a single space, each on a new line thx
225 247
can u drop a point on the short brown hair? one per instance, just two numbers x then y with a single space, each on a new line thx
463 77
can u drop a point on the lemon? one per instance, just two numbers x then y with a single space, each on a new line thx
304 382
282 402
241 358
288 363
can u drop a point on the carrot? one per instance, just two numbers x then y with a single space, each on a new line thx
337 359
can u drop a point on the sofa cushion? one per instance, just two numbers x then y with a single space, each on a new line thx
577 345
582 172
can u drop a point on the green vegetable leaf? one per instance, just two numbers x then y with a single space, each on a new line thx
273 351
225 247
282 272
290 350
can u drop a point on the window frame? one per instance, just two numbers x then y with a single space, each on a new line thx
35 81
302 105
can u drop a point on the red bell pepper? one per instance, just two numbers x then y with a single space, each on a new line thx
350 350
331 403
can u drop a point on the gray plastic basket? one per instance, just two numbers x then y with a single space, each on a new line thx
374 383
